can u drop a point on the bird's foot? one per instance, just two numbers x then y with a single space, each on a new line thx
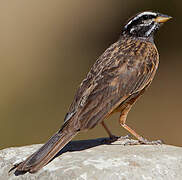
143 141
114 138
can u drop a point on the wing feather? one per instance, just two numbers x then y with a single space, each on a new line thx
121 71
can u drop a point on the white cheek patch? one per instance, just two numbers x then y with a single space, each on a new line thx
145 23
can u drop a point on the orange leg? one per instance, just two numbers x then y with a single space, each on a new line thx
107 130
122 122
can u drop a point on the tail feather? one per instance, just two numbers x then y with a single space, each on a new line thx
43 155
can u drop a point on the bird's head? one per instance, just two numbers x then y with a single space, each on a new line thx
144 24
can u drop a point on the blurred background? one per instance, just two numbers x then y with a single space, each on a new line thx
47 48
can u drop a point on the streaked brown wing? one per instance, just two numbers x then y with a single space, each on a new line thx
121 71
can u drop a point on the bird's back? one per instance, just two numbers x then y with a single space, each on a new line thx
125 68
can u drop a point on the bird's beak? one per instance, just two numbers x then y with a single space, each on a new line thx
162 18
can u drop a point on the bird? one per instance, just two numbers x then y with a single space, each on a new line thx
118 78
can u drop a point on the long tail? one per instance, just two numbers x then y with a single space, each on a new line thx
43 155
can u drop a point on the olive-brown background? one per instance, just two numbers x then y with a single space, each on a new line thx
46 49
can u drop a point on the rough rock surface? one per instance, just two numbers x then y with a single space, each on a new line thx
95 159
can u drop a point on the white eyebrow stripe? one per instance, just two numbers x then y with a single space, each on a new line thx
146 13
139 15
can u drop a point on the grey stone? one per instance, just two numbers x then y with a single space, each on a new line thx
97 160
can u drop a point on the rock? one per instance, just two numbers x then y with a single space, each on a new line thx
95 159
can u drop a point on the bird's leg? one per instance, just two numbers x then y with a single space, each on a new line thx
141 140
111 136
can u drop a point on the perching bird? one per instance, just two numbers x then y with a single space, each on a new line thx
116 80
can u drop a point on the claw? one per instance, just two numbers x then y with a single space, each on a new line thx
142 141
157 142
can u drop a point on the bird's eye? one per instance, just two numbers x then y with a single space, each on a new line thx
145 17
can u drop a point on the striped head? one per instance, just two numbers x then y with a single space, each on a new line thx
144 24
